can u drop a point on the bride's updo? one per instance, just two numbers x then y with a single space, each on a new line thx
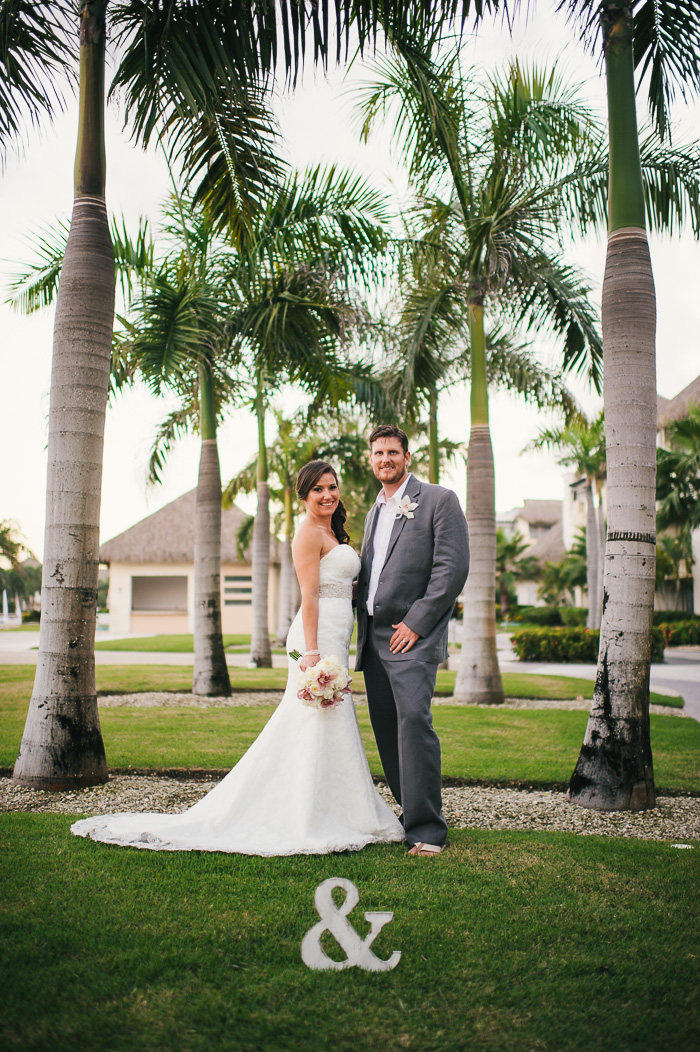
306 480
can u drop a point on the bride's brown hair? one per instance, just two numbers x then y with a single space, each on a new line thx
306 480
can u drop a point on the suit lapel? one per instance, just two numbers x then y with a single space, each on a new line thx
368 542
413 491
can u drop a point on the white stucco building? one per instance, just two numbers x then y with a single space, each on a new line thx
151 573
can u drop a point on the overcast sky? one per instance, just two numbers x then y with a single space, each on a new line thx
317 126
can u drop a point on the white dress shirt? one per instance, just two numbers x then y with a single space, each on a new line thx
386 517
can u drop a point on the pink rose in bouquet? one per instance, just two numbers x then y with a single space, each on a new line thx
324 685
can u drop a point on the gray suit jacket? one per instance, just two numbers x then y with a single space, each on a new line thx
426 565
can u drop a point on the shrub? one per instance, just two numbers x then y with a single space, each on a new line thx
31 617
547 616
681 633
573 615
569 644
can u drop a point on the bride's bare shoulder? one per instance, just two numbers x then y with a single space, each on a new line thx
308 541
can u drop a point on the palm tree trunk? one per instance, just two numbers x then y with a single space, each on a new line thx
294 592
284 619
62 744
433 440
614 770
600 522
592 559
210 677
260 652
479 677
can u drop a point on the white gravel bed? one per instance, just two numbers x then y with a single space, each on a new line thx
472 807
257 699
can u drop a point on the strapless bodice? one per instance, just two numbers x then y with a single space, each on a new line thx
339 568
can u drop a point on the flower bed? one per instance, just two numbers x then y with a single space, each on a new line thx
681 633
570 644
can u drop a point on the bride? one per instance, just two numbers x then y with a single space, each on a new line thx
304 786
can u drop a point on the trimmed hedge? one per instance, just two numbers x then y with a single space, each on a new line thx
667 617
550 616
681 633
569 644
547 616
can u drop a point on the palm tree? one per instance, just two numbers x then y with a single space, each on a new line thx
615 770
292 325
678 496
62 744
678 474
513 564
177 337
582 446
292 447
488 169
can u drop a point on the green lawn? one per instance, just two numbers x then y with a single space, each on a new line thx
170 644
510 942
533 747
125 679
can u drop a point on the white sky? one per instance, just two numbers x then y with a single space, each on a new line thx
317 126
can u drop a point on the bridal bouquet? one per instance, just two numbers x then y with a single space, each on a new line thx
323 685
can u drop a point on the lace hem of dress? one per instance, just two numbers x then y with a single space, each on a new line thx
148 841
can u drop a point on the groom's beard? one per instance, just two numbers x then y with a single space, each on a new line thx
391 474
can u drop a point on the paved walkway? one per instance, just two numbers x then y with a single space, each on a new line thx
680 672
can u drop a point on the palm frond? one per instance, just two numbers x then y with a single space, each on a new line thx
552 295
36 286
133 254
666 46
230 159
534 112
175 425
173 327
328 215
38 52
671 185
514 369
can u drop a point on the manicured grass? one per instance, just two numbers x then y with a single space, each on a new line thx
126 679
510 942
31 626
175 644
536 747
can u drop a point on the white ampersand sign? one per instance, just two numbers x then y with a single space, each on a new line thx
334 920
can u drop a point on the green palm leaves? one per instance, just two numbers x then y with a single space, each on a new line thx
37 60
666 45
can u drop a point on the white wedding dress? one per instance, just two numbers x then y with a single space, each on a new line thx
304 785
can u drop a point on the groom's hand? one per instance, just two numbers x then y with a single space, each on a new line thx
402 639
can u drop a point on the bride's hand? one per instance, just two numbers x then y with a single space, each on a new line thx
308 661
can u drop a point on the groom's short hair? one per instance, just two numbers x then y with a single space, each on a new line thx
389 431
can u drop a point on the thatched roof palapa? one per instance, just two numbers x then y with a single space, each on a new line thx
540 512
167 536
676 408
549 548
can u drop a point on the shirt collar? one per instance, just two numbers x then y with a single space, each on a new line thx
381 499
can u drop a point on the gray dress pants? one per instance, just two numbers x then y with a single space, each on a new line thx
399 694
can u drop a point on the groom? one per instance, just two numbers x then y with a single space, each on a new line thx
415 560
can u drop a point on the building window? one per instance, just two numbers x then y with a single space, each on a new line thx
159 593
238 591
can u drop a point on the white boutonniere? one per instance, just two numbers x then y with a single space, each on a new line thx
406 507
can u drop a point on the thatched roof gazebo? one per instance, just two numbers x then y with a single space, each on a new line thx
167 536
152 572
